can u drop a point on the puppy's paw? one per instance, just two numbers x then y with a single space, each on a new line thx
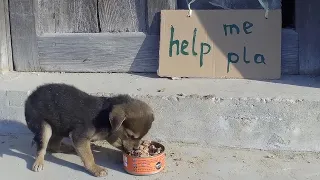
98 171
38 165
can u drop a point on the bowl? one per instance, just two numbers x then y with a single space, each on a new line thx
143 166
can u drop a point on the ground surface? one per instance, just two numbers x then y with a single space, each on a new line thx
184 161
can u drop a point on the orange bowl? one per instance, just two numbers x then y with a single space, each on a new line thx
145 165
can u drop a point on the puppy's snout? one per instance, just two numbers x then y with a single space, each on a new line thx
136 144
131 145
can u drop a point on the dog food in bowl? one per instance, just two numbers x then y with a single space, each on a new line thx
148 159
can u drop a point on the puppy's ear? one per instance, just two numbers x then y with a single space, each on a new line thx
116 117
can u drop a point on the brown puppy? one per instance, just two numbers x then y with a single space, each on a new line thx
55 111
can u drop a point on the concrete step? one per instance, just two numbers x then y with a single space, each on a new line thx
183 162
281 114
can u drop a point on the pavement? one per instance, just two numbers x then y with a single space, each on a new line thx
184 161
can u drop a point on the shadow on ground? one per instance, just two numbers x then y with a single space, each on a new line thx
19 145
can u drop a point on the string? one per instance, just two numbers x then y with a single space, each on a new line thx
189 7
265 5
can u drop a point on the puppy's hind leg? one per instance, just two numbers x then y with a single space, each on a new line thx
42 141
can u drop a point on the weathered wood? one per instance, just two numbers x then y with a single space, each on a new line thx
308 28
5 39
122 15
67 16
23 35
290 52
45 17
228 4
153 16
119 52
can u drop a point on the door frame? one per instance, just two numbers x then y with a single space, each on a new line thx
6 63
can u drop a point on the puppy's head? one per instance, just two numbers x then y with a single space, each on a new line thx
130 122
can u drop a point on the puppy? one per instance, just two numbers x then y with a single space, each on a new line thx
55 111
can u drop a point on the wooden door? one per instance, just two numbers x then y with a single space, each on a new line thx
86 35
107 35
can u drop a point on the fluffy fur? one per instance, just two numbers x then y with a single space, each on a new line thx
55 111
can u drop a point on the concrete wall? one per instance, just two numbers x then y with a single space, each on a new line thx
277 115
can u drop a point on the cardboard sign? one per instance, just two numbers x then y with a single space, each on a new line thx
220 44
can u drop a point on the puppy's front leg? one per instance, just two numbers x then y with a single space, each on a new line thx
82 146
